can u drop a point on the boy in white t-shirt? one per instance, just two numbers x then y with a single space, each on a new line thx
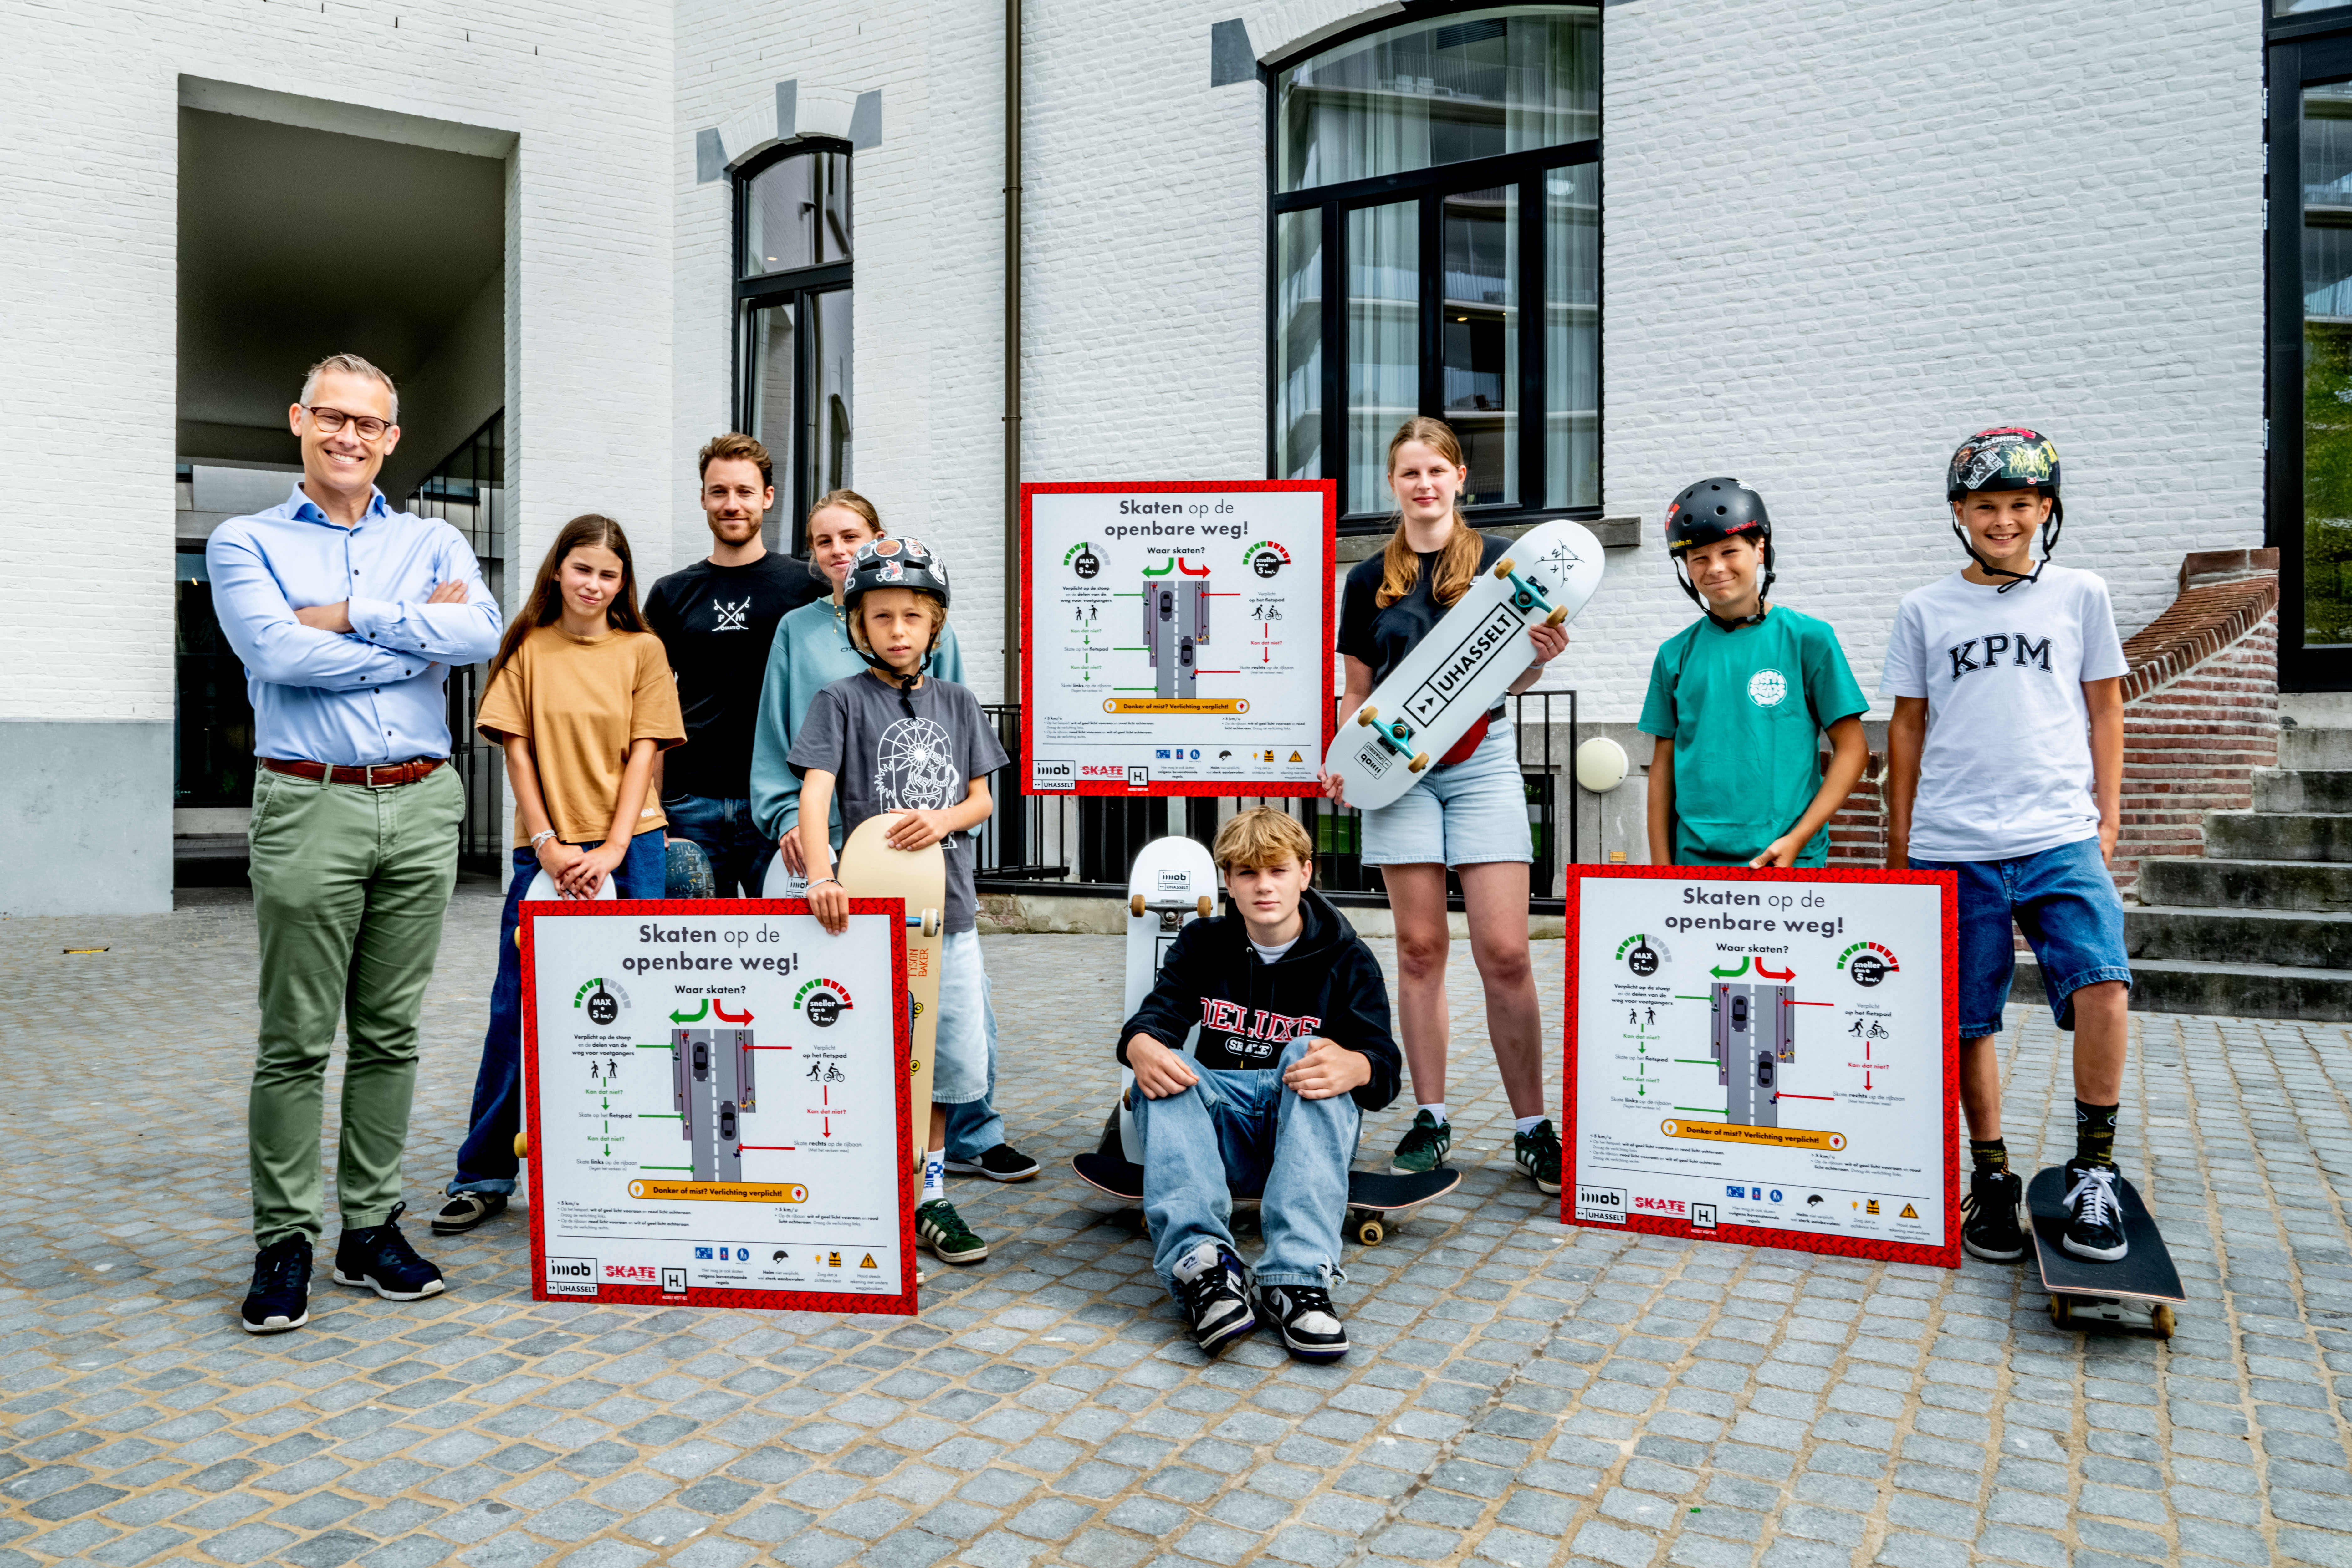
2005 765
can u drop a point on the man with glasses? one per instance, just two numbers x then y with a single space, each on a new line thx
347 614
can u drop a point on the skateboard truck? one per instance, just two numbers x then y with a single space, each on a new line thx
1396 736
1528 594
2072 1311
927 922
1138 906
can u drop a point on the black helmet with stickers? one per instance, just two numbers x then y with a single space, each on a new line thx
1709 513
894 562
2009 457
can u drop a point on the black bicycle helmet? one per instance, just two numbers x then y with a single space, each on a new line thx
1709 513
893 562
2009 459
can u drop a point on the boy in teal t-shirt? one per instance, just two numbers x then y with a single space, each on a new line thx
1739 700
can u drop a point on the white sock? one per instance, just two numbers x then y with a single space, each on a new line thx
1529 1123
935 1174
1436 1112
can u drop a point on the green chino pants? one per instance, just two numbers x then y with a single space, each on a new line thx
349 885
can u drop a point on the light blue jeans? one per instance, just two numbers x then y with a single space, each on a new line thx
961 1065
1246 1133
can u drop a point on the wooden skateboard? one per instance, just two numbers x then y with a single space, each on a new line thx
1464 664
1376 1199
870 868
2137 1290
1173 884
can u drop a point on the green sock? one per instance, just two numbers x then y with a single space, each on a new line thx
2095 1133
1989 1153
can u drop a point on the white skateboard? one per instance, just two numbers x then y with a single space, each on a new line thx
782 881
544 887
1173 883
1464 664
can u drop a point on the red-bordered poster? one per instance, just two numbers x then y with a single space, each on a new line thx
1764 1058
715 1093
1176 638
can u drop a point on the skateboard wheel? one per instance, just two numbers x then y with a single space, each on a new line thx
1503 568
1135 905
930 922
1419 760
1557 617
1205 905
2060 1313
1366 714
522 1145
1370 1233
2161 1320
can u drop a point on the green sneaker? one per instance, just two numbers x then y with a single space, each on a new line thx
941 1228
1426 1145
1538 1153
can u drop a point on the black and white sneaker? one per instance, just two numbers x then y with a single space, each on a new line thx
463 1211
1214 1289
1303 1315
281 1297
1001 1163
1988 1226
378 1257
2094 1222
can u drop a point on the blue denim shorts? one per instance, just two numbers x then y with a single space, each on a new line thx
960 1049
1464 813
2064 901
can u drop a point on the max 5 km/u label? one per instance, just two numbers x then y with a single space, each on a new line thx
1606 1205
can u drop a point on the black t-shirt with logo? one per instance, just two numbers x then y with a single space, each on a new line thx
717 623
1381 638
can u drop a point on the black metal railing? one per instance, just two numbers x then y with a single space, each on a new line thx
1083 845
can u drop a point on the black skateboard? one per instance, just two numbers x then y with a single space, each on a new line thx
1376 1199
2137 1290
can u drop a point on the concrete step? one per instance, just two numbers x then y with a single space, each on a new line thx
2223 990
2276 789
2271 835
2315 751
2272 937
2247 884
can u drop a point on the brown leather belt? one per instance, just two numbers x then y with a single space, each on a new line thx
376 775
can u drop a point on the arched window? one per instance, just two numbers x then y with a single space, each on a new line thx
1439 183
792 320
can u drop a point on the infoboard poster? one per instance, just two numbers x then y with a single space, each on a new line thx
1176 638
715 1095
1764 1058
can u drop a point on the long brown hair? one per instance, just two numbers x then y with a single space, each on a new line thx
1457 564
589 531
849 501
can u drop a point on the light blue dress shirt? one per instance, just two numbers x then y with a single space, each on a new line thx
375 694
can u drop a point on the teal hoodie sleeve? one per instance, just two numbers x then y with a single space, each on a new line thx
947 663
775 788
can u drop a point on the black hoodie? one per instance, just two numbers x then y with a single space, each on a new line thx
1327 984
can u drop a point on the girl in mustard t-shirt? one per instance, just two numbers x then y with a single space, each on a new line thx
580 697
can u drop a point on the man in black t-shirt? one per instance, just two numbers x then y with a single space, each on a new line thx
716 618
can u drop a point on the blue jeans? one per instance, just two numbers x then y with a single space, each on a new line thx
973 1127
2064 901
486 1160
736 849
1247 1132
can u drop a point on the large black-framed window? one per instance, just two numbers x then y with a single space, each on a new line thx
2309 361
793 319
1439 178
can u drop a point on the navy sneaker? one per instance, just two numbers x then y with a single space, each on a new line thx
1214 1288
2094 1222
281 1297
378 1257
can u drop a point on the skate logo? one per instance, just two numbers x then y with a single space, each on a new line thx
572 1276
631 1273
1254 1032
1768 687
1674 1208
2022 651
1606 1205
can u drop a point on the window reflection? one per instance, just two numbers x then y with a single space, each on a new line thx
1480 397
796 213
2327 365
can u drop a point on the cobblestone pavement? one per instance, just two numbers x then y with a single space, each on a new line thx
1521 1394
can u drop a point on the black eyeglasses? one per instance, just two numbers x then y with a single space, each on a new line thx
331 420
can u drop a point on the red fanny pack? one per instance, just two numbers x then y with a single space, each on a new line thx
1468 742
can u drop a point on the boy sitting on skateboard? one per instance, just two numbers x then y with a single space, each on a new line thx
1739 700
896 739
1294 1048
2005 764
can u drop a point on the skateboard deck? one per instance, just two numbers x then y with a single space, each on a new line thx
869 868
781 881
542 887
2138 1291
1462 667
1173 884
1376 1199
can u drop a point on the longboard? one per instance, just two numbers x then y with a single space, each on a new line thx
870 868
1173 884
2137 1290
1464 665
1376 1199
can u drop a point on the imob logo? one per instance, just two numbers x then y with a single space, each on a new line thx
603 1000
821 1002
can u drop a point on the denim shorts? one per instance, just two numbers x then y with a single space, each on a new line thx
2064 901
1462 813
960 1049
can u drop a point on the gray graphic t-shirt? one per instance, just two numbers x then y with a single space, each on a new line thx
882 759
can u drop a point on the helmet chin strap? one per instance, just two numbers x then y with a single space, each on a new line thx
2051 526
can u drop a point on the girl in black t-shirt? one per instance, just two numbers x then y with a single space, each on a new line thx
1467 811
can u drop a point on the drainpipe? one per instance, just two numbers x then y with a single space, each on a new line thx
1013 352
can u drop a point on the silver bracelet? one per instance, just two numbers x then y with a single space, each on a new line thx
820 882
540 837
